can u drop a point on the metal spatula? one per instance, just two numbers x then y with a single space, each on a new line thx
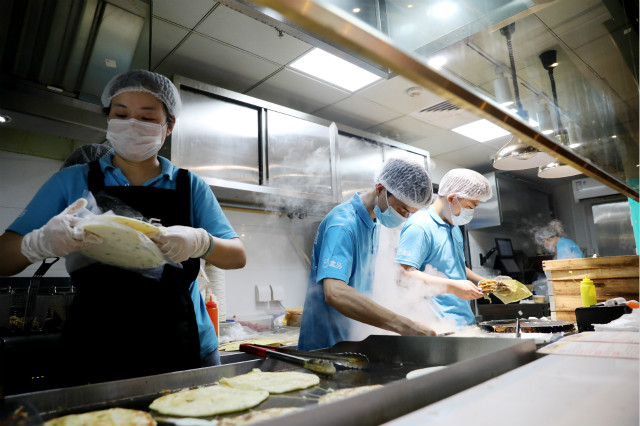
320 366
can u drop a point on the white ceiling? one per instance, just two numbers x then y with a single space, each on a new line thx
214 44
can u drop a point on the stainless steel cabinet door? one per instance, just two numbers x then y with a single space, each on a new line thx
216 138
359 160
298 154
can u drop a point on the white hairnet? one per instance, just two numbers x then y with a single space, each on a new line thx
553 229
407 180
465 183
144 81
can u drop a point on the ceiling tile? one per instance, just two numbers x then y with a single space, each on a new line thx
357 112
177 12
165 38
476 157
441 141
239 30
294 90
215 63
403 129
392 94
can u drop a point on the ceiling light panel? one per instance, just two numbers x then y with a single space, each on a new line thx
334 70
481 131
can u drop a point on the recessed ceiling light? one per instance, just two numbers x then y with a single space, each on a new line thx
334 70
547 132
437 62
4 119
355 10
481 131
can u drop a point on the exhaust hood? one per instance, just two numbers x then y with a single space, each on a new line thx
57 55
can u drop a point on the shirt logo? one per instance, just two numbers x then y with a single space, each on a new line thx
332 264
405 252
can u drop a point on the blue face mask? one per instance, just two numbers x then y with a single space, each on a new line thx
389 218
463 217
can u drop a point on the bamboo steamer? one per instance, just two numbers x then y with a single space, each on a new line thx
615 276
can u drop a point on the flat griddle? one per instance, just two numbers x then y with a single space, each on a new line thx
469 361
527 326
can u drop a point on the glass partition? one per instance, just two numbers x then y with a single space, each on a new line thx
562 76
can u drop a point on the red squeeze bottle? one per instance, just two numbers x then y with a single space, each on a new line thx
212 309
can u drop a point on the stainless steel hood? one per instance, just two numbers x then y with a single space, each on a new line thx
57 55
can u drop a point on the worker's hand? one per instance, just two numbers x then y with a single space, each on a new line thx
59 236
418 329
179 243
465 289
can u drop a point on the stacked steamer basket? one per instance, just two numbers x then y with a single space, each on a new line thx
615 276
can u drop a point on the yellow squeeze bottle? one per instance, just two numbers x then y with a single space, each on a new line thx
588 292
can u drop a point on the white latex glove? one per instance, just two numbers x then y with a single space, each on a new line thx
179 243
59 236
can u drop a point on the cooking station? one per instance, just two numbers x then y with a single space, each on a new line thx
469 361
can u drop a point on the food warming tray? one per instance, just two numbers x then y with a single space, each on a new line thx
527 326
469 361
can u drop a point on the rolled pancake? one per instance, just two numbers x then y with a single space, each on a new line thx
124 242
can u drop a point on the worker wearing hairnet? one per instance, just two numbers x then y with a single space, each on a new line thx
552 238
431 241
121 323
344 252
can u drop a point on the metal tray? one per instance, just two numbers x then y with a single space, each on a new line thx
469 361
527 326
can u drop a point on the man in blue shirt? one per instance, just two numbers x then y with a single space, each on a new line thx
344 252
431 246
121 323
552 238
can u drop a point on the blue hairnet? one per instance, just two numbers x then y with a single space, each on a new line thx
465 183
144 81
407 180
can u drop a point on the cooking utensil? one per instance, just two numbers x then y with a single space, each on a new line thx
19 413
321 366
345 359
527 326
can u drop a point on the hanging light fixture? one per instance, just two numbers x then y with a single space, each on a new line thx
516 155
555 169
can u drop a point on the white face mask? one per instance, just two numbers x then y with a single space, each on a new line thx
463 217
135 140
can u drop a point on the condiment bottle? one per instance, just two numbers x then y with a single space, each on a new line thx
212 310
588 292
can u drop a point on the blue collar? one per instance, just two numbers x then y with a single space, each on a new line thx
362 211
167 169
437 219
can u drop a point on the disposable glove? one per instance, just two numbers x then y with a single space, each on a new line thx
179 243
59 236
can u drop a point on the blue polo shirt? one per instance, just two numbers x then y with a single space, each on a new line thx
69 184
567 249
426 239
344 249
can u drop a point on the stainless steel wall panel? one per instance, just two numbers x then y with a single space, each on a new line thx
614 233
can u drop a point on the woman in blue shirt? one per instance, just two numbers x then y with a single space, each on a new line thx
552 239
123 324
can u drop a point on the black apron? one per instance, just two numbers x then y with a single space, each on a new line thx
122 324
